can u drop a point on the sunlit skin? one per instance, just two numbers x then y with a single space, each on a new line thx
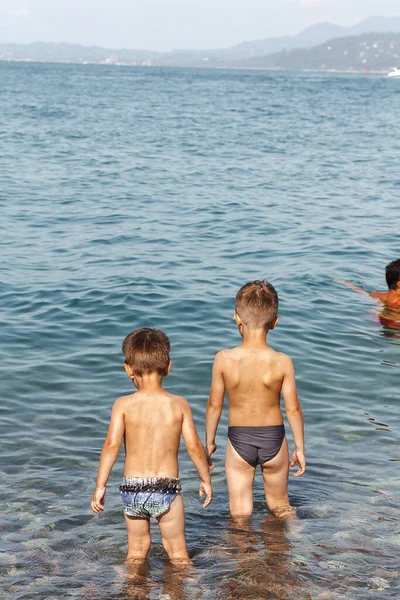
253 376
151 421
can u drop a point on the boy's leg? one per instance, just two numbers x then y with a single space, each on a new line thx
240 479
139 539
172 527
275 474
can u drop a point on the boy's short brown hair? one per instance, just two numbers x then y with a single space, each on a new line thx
147 351
393 274
257 304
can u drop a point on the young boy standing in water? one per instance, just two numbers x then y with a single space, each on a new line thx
253 376
151 422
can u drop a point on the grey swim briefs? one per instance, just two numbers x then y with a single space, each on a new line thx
257 445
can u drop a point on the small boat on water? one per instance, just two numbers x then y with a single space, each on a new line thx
394 72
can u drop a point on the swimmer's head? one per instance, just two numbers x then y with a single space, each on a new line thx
393 274
146 351
256 305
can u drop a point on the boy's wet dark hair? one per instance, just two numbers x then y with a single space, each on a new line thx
393 274
147 351
257 304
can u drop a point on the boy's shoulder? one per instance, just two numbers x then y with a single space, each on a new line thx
178 404
383 296
121 402
225 356
390 298
231 353
178 400
138 397
285 360
125 404
226 353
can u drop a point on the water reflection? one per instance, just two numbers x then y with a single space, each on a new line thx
389 318
264 565
143 579
136 586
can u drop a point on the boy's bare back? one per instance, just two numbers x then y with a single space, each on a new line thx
153 423
254 378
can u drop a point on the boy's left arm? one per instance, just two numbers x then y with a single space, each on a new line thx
214 407
294 414
111 448
196 452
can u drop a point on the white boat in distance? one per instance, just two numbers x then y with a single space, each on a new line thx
394 73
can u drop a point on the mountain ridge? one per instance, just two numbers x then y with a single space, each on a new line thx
252 54
366 52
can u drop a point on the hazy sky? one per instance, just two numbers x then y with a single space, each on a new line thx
164 24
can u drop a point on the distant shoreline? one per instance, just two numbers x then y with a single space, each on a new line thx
200 67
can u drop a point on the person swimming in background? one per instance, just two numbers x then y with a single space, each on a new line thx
254 375
151 422
390 314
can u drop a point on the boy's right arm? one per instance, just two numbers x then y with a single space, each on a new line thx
196 452
356 288
294 415
214 407
111 448
378 295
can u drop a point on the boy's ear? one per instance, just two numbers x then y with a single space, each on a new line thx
168 368
128 370
274 323
238 320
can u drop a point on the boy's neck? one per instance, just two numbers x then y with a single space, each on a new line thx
254 337
148 382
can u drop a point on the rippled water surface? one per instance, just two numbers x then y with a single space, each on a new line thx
145 197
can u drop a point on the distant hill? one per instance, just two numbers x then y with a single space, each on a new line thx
307 50
63 52
376 23
311 36
373 51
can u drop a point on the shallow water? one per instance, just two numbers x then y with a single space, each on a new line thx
145 197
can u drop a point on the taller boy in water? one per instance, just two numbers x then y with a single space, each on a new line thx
253 376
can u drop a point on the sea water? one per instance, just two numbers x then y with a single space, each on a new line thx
138 197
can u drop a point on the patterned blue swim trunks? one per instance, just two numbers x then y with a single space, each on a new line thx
148 496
